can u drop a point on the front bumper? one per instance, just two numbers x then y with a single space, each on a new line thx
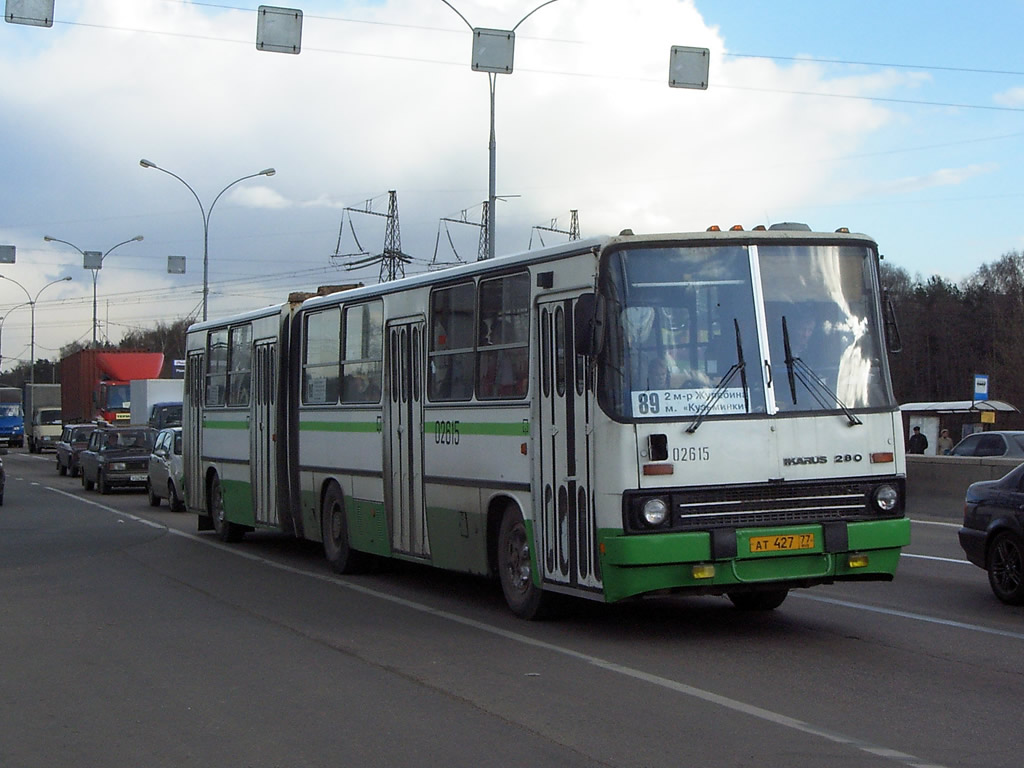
649 563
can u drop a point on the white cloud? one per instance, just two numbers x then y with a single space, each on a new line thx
942 177
586 122
1012 97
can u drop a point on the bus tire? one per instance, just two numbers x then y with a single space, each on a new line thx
225 530
1005 566
524 598
767 600
334 530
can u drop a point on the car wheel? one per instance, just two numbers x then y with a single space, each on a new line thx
87 484
173 500
226 530
524 597
768 600
61 469
154 500
334 528
1006 567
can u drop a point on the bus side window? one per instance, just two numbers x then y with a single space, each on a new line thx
217 368
451 355
320 358
361 355
503 341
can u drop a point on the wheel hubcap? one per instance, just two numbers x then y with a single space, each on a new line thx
1007 566
518 564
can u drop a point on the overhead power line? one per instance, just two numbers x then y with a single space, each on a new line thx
606 76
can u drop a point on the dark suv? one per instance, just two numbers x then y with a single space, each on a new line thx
73 439
117 457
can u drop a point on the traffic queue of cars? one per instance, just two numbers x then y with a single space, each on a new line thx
109 457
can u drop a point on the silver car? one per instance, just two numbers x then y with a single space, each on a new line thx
992 443
166 473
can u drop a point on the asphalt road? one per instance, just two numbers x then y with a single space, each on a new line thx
127 639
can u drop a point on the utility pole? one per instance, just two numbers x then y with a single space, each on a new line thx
392 260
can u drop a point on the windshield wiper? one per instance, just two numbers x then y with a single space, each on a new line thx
740 366
798 370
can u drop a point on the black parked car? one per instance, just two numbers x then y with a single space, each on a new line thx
73 439
992 536
116 457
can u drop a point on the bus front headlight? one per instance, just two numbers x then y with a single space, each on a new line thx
886 498
654 512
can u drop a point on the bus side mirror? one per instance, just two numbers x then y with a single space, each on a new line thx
588 324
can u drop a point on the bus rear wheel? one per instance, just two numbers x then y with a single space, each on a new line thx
226 530
768 600
334 528
524 598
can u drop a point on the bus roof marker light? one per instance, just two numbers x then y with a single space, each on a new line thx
857 560
885 457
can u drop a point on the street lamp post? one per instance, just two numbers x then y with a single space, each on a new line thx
95 268
3 318
206 218
32 303
503 65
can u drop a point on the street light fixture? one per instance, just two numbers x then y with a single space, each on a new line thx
93 260
32 303
493 51
206 218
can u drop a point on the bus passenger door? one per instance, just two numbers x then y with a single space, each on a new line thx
568 535
263 458
195 372
404 460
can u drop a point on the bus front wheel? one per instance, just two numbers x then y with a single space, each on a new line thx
226 530
334 528
526 599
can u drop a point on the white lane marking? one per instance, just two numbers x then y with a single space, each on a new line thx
933 557
936 522
909 615
91 503
767 715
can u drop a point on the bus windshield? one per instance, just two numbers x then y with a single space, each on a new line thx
683 334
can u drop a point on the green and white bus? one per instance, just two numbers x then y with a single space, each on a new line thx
703 413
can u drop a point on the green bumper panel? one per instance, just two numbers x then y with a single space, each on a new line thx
641 564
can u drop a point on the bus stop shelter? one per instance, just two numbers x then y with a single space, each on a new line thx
960 417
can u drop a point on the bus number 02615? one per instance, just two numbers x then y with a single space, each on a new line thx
446 432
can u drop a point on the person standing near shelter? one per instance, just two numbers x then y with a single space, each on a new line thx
944 444
917 443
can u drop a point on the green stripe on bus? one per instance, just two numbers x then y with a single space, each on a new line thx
338 426
507 429
211 424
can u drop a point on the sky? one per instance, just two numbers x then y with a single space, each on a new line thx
901 119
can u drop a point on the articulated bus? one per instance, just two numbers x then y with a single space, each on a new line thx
706 413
